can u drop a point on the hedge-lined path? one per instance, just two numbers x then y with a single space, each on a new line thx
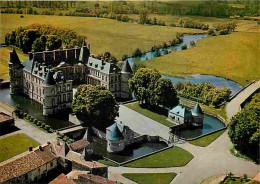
214 159
233 106
30 130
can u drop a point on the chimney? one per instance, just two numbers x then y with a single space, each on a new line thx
30 148
30 54
40 148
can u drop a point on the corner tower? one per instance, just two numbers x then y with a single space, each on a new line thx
16 73
84 53
126 74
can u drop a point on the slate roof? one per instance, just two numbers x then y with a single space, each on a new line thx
115 134
126 67
49 80
197 111
106 67
14 57
181 111
28 65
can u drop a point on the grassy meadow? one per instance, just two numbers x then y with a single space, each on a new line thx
4 58
15 144
103 34
234 56
150 178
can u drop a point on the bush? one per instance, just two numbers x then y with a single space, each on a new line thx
172 25
25 115
39 123
35 121
184 47
31 119
192 43
21 16
42 125
47 127
137 52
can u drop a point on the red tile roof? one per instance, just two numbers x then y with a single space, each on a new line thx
25 163
61 179
97 179
5 117
80 144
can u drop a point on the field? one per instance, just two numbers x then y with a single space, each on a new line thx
4 58
243 25
103 34
173 157
14 145
234 56
150 178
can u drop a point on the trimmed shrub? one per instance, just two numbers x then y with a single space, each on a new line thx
35 121
184 47
25 115
38 123
43 125
47 127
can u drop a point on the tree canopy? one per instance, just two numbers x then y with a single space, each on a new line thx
244 129
95 105
150 89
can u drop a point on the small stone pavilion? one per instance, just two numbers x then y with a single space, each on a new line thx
182 115
118 136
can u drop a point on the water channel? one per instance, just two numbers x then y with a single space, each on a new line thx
197 78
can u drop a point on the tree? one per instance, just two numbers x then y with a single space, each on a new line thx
165 93
39 44
192 43
138 65
137 52
142 84
184 47
95 105
157 53
29 36
244 131
53 42
154 21
143 17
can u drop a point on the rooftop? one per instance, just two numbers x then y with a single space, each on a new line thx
61 179
80 144
115 134
97 179
181 111
197 111
5 117
25 163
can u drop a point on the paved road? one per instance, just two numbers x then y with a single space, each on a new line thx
139 123
214 159
32 131
234 105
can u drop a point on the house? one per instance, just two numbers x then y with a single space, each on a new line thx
6 122
118 136
181 115
28 167
47 77
61 179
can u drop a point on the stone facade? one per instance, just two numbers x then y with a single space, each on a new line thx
47 77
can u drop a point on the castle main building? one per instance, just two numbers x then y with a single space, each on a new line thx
47 77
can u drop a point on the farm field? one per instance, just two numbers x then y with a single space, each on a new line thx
103 34
234 56
14 145
4 58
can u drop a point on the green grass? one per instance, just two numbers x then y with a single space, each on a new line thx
235 180
4 58
237 153
234 56
107 162
15 144
206 140
208 109
173 157
157 115
150 178
103 34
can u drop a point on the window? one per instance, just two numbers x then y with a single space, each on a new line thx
53 102
59 98
112 79
106 78
115 87
115 78
64 97
112 86
64 88
102 77
68 87
52 92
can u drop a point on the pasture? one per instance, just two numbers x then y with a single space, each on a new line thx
234 56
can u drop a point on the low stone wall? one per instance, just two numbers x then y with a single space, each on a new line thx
191 139
148 138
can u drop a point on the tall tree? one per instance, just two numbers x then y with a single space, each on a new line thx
95 105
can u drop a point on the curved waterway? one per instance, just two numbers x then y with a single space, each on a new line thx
197 78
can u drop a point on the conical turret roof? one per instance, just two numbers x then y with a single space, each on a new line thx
49 80
14 57
115 134
84 53
126 67
197 111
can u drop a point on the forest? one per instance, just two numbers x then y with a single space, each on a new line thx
223 8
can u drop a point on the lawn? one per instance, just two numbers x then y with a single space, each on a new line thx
4 58
15 144
158 115
206 140
107 162
234 56
103 34
150 178
173 157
